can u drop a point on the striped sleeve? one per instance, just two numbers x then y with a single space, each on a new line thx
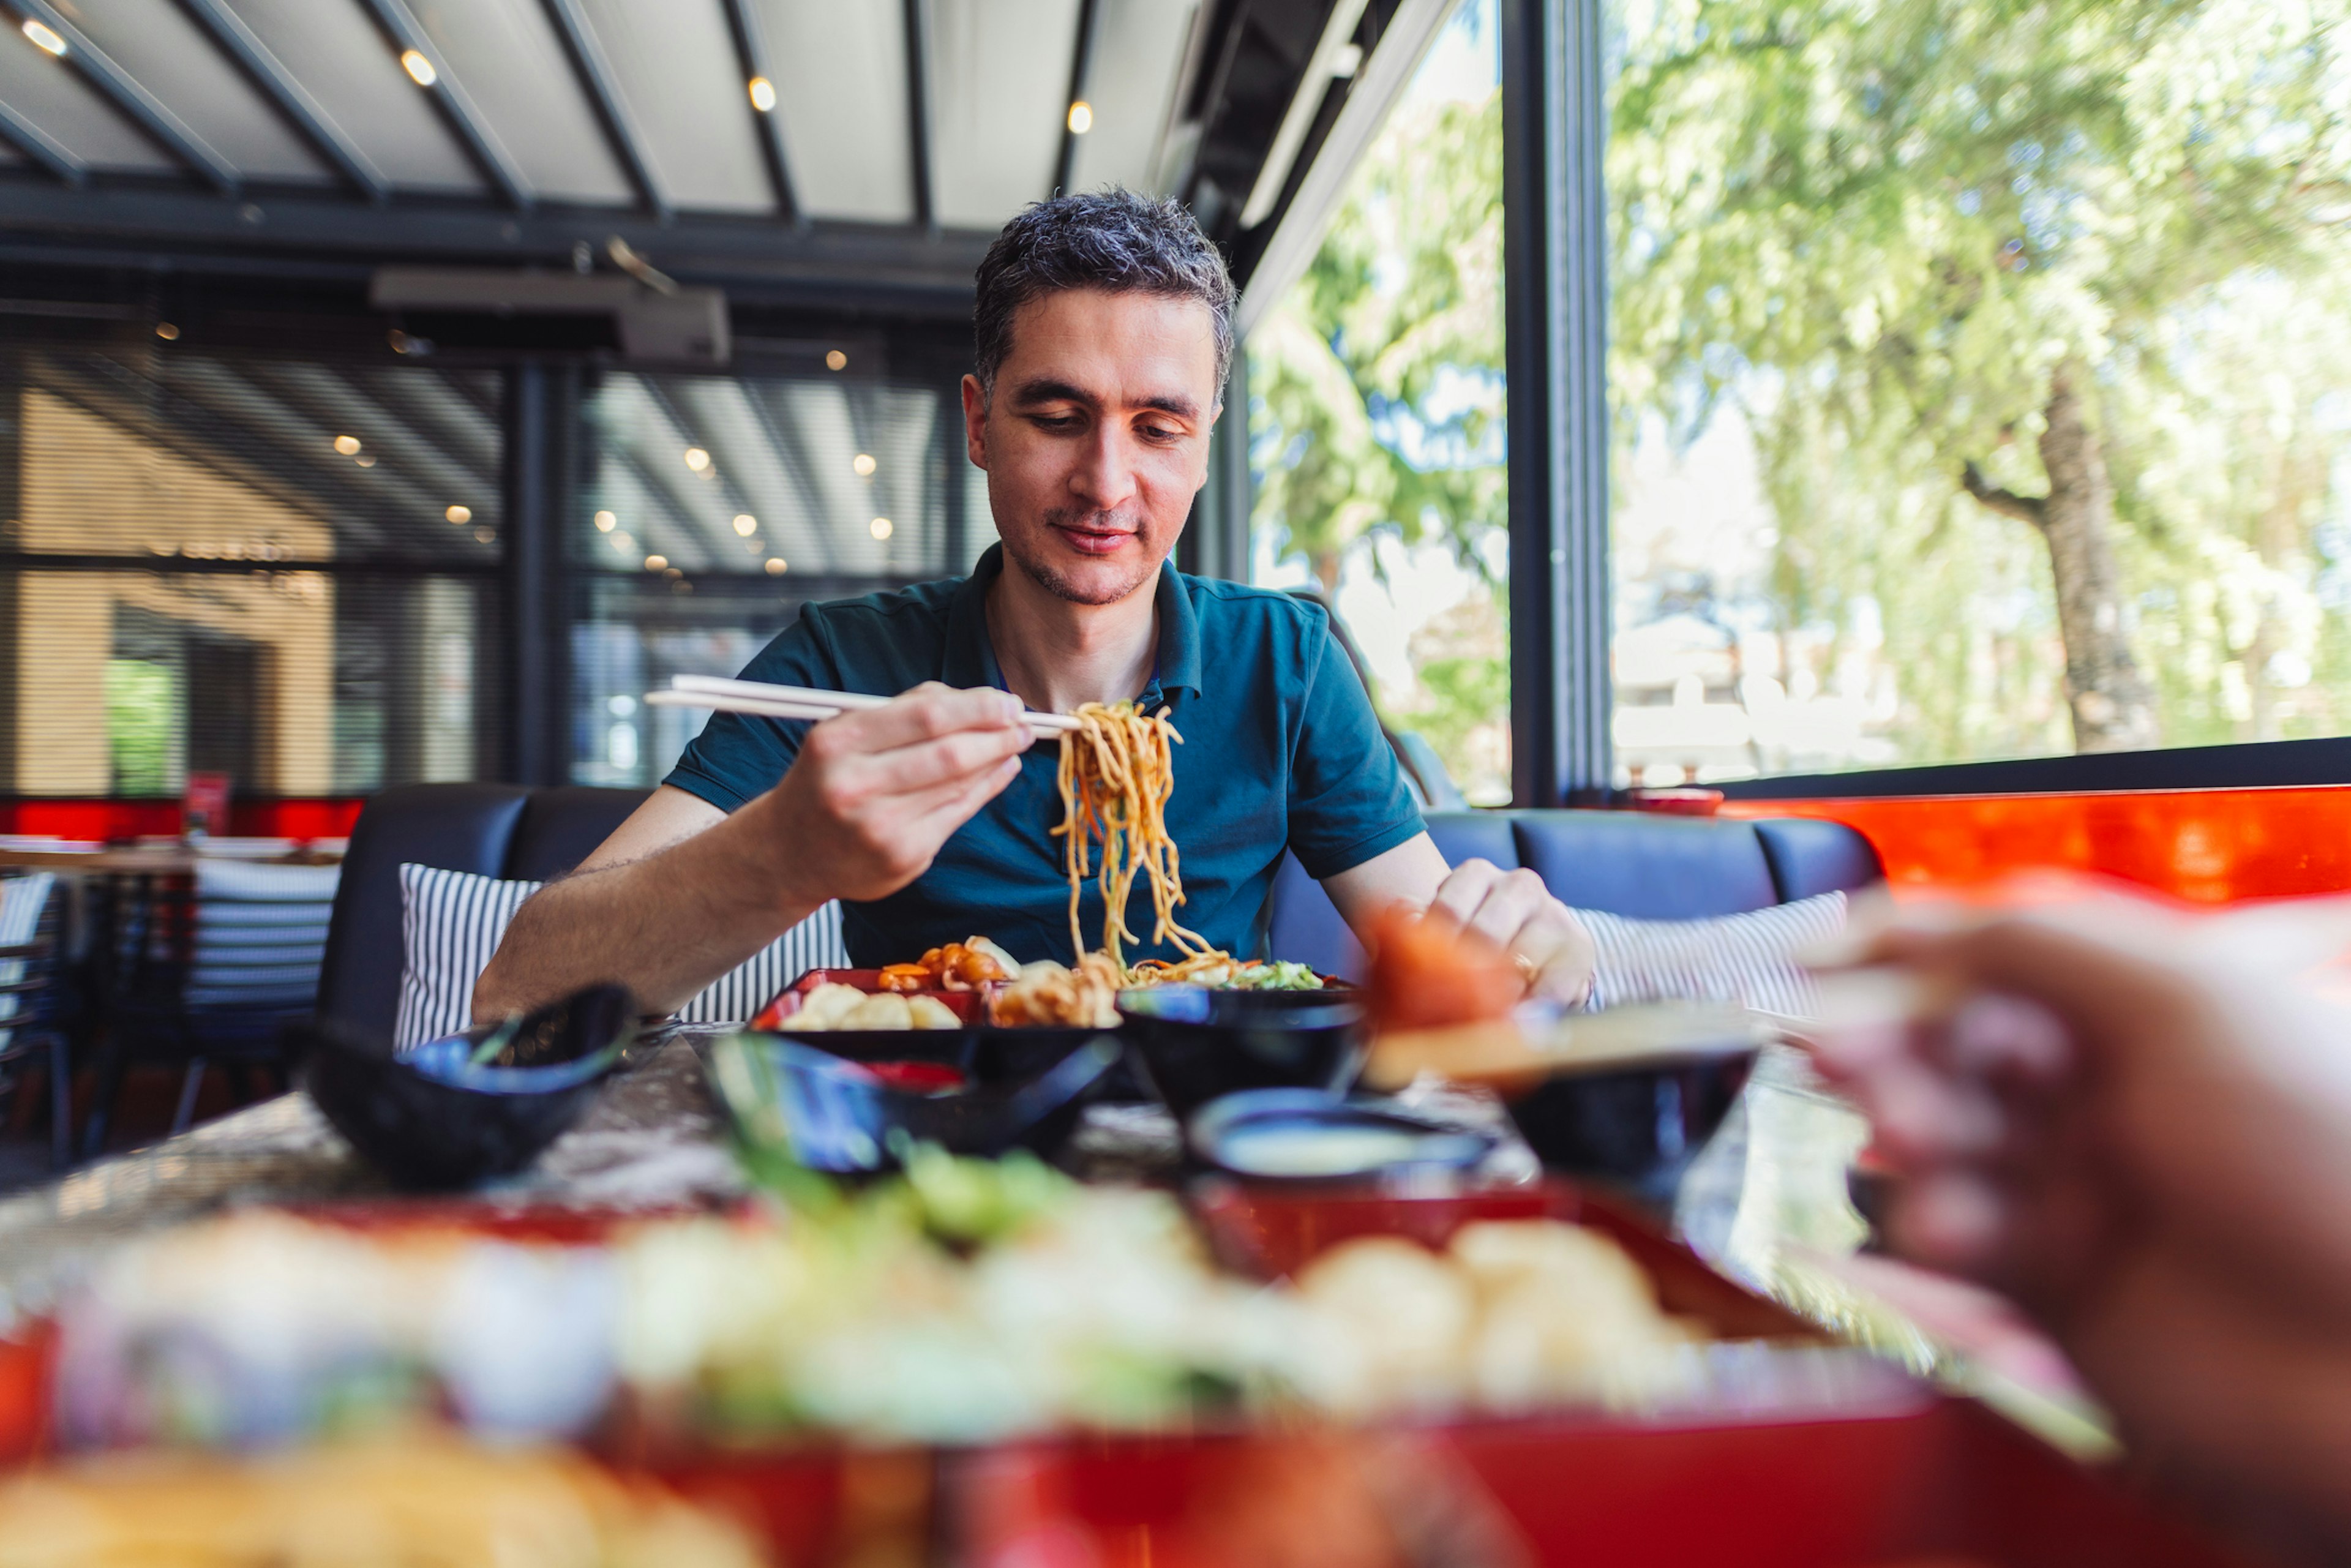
1743 958
452 921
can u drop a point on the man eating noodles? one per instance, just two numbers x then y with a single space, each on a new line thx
1103 331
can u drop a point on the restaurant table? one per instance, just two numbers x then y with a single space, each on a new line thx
1765 1204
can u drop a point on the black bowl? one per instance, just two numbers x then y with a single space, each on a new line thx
431 1118
1196 1044
1635 1128
788 1094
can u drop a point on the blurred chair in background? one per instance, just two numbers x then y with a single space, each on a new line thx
31 1002
207 972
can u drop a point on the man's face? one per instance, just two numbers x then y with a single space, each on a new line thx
1097 436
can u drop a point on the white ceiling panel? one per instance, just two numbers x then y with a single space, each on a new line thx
53 96
1138 54
999 96
839 67
176 60
685 87
334 51
513 65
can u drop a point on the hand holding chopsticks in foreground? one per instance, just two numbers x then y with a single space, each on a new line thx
2136 1121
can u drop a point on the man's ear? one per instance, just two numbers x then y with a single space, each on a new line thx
974 421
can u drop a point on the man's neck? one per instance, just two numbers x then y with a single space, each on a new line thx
1055 655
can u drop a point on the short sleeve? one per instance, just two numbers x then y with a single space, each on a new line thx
739 756
1347 796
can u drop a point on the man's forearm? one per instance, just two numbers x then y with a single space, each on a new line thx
664 926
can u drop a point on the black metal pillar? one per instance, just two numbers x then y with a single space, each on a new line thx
541 404
954 483
1216 541
1555 263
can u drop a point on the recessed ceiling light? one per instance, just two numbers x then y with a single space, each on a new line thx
656 562
834 360
44 37
763 94
1081 118
881 527
166 331
863 462
349 446
419 69
776 567
459 513
606 522
745 523
697 459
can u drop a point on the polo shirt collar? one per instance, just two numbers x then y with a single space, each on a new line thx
970 659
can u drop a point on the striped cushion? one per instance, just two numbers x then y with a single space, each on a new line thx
22 899
1743 958
450 922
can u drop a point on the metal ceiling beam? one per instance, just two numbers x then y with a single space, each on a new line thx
42 148
918 109
456 105
594 69
142 107
751 53
1081 65
305 114
664 392
893 269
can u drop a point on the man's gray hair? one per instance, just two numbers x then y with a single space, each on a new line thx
1112 240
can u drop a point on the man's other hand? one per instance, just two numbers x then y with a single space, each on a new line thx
1515 911
873 794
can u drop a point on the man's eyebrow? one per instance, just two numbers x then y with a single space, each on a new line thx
1041 389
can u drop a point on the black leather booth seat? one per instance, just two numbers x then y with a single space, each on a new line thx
1654 867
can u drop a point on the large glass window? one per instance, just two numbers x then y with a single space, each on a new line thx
1376 416
278 571
711 508
1982 381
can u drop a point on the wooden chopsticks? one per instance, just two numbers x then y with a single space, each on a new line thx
723 696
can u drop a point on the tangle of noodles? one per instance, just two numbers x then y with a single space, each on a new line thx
1117 771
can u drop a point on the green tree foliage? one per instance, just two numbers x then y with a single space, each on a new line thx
1375 385
2038 314
1376 400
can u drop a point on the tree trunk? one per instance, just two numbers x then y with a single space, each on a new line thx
2112 706
1324 564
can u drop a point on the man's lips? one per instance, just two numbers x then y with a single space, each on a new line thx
1093 541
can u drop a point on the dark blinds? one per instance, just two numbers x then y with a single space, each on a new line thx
710 508
280 571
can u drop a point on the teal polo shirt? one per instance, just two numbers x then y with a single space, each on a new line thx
1281 751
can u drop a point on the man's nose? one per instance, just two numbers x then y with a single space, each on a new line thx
1104 479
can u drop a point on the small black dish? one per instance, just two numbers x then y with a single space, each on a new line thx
1635 1128
1304 1135
829 1113
434 1119
1196 1044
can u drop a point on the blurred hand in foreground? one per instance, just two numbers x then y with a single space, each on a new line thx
2136 1123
